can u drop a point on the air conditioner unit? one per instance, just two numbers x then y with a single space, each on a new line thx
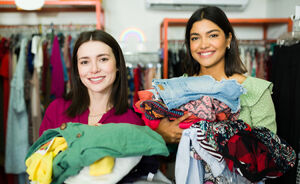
229 5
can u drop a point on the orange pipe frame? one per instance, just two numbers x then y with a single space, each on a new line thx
96 3
235 22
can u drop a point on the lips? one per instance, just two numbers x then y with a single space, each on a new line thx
96 79
205 54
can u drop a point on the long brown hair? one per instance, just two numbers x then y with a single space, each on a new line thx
78 94
233 63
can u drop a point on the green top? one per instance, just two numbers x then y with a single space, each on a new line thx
86 144
257 108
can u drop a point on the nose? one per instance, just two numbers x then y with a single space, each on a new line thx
204 43
95 68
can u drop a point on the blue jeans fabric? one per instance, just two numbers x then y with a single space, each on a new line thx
178 91
188 169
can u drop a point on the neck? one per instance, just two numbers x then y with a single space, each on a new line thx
99 104
216 74
217 70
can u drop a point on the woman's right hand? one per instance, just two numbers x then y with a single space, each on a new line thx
170 130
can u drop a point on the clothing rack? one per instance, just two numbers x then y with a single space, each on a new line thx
255 42
7 30
62 6
170 22
147 59
290 38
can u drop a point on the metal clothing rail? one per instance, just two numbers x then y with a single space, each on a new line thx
66 27
170 22
63 6
7 30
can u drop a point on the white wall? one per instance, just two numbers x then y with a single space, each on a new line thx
281 8
149 20
120 15
136 15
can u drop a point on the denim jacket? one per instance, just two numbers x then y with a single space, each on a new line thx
178 91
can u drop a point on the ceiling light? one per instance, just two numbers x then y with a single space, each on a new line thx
29 4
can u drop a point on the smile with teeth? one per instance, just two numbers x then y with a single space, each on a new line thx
206 53
96 79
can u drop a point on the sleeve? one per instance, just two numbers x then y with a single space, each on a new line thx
133 118
263 112
49 119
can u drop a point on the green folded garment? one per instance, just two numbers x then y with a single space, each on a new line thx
86 144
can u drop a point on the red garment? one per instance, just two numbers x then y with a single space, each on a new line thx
45 68
251 157
4 72
143 96
55 116
153 124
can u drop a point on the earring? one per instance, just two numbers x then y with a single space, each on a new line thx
228 47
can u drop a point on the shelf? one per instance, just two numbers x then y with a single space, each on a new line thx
171 22
62 6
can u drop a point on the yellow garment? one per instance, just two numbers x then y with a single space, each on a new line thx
102 166
39 164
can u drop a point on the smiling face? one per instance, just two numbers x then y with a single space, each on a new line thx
208 45
96 66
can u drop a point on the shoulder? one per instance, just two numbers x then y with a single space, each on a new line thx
58 105
55 115
255 88
238 77
60 102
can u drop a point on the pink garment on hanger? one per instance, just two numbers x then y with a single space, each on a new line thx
57 73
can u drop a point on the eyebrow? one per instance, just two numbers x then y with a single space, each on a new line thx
210 31
100 55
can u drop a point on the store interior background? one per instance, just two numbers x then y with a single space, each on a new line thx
122 16
142 25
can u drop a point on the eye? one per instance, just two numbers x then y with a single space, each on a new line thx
213 35
194 38
83 62
103 59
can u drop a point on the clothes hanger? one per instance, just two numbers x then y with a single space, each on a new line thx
293 37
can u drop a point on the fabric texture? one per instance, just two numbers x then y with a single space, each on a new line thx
121 168
256 152
148 165
86 144
156 110
184 162
210 109
282 153
102 166
39 164
57 73
17 143
180 90
55 116
257 108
